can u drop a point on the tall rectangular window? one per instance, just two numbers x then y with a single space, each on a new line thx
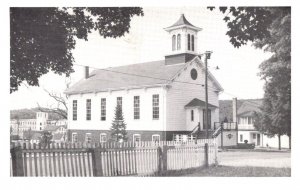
103 109
155 106
119 101
193 45
250 120
88 109
209 119
192 115
241 138
74 110
136 107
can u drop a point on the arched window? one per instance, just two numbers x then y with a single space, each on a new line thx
192 115
178 41
173 42
189 43
193 46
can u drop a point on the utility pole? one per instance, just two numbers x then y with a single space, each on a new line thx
18 123
207 56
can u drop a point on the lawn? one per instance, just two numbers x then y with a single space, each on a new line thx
247 171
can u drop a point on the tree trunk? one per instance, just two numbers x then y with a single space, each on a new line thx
279 142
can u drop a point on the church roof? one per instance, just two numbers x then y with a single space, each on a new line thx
155 73
198 103
128 76
182 21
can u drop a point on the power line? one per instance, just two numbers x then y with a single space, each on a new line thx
144 76
167 80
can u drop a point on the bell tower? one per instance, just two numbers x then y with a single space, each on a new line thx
183 41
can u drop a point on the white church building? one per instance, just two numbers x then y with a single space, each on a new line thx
161 100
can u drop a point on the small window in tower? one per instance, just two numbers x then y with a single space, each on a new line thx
189 41
173 42
178 41
193 44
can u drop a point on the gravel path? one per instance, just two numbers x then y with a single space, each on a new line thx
252 158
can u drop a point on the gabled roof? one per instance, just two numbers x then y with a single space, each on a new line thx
57 137
182 21
53 127
126 77
249 107
198 103
155 73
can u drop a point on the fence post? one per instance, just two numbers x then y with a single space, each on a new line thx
165 158
216 150
159 154
17 161
162 159
206 154
97 161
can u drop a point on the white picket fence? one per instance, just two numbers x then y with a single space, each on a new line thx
111 159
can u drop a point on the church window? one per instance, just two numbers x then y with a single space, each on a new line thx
193 46
178 41
189 41
155 106
173 42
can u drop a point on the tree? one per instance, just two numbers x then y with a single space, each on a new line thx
60 107
118 129
42 39
268 28
28 134
46 138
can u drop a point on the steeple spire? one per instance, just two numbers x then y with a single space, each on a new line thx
182 22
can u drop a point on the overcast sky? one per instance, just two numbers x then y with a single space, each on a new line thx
147 41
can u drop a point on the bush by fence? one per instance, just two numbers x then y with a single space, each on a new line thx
110 159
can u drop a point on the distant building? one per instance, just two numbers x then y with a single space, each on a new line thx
165 104
59 132
19 126
246 130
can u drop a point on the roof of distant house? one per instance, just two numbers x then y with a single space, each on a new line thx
58 136
248 107
33 135
53 127
225 107
198 103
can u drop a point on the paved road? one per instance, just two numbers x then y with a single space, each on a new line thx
252 158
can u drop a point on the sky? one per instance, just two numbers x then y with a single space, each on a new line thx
147 41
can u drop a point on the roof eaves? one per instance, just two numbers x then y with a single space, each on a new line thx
118 89
182 26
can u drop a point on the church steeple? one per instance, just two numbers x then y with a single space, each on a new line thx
183 37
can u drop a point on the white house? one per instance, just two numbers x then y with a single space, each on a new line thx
19 126
161 100
247 131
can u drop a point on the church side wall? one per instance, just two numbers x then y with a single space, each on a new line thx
146 126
